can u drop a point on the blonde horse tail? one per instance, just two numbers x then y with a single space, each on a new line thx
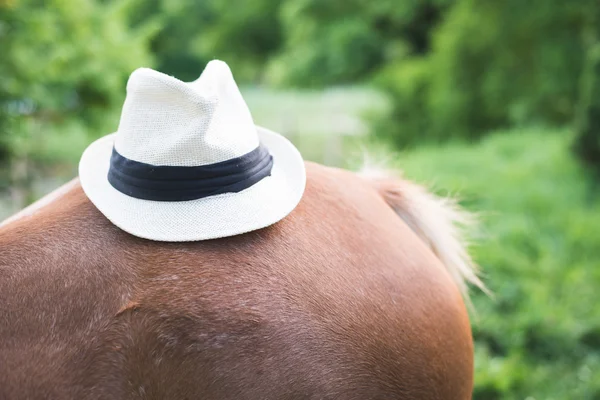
439 222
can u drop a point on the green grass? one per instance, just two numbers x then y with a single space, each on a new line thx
540 253
334 111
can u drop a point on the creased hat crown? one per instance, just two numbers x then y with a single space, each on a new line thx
166 121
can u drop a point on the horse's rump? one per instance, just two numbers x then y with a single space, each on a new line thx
339 300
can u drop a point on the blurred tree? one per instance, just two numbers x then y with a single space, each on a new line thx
192 33
63 60
492 64
246 36
341 41
297 42
588 123
179 24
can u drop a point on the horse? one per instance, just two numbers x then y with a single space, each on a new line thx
358 294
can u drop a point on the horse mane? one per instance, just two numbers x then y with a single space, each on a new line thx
440 222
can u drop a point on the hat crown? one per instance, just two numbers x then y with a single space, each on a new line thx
166 121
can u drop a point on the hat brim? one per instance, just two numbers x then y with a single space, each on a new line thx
228 214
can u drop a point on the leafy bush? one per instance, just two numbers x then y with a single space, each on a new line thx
588 123
342 41
63 60
540 337
492 65
191 33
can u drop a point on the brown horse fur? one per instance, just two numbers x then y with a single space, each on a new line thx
340 300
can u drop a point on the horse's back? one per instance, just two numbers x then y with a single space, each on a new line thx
339 300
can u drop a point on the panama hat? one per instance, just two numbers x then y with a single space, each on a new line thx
187 162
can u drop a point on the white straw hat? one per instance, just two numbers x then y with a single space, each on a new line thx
187 162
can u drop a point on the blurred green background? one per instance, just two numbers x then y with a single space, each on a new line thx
496 101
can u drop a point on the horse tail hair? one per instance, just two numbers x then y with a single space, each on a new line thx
439 222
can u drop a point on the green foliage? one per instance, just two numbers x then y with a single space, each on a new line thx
588 140
588 123
343 41
177 24
63 60
492 64
191 33
540 337
452 68
297 42
246 35
406 121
